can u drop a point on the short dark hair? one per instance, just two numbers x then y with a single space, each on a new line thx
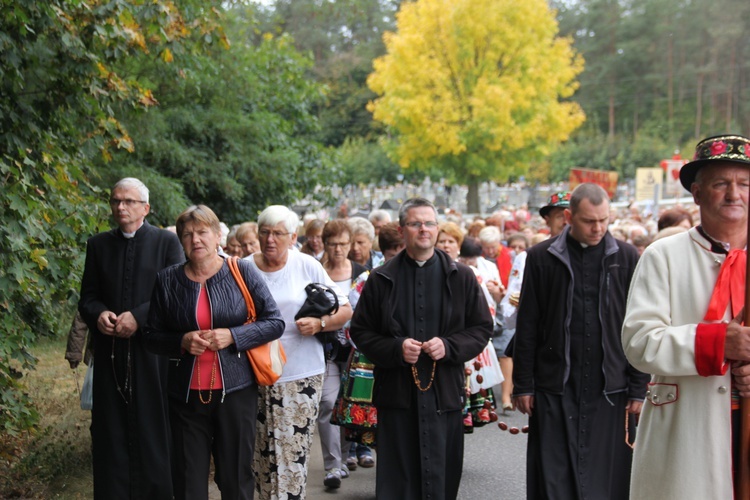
587 191
413 203
389 238
471 247
674 216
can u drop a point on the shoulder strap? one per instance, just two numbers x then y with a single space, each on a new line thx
235 269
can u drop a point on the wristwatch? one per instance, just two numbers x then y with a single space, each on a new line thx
322 323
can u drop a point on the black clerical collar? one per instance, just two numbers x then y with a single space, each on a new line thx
716 246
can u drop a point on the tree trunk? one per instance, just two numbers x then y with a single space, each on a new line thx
699 106
472 196
730 88
613 22
670 88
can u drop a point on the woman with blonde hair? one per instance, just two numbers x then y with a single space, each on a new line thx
449 239
313 244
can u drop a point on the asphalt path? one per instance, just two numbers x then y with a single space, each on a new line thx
494 467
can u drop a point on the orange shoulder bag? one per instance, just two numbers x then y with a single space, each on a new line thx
268 359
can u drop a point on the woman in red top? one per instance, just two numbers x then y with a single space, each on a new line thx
198 317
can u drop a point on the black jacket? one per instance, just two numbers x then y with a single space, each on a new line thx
173 314
465 327
541 359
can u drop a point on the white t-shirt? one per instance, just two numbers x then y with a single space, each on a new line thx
488 270
304 354
515 281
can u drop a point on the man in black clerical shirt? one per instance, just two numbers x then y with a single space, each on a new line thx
421 316
129 429
570 374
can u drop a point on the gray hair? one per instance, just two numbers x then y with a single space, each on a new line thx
413 203
587 191
490 235
133 183
274 214
360 225
379 215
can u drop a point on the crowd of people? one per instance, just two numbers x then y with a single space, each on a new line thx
590 319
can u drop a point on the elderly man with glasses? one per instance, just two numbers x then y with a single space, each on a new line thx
129 429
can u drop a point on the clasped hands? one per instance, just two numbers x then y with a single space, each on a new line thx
123 325
411 349
196 342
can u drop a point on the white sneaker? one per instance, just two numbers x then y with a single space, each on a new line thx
333 479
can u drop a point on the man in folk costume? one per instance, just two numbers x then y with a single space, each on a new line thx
129 426
421 316
570 374
553 212
683 325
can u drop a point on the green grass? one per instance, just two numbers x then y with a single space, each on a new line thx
53 460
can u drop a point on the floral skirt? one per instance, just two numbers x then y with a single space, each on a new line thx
354 410
287 413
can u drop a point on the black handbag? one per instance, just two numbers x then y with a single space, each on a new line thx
321 301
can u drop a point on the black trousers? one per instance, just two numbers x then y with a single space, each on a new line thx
225 430
420 451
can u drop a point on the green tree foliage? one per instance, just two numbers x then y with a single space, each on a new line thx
235 131
660 75
474 88
58 90
365 160
343 37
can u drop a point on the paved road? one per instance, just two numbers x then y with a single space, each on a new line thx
494 467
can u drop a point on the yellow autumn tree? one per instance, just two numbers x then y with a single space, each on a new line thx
476 89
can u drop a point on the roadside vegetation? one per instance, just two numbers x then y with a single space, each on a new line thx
53 460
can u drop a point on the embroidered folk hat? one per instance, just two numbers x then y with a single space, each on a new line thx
730 148
560 199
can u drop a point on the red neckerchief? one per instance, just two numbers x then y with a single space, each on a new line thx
730 285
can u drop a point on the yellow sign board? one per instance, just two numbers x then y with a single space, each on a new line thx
648 183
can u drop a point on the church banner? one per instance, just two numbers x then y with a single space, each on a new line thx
604 178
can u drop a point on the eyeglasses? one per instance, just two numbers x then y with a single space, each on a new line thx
331 244
115 202
265 233
430 224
